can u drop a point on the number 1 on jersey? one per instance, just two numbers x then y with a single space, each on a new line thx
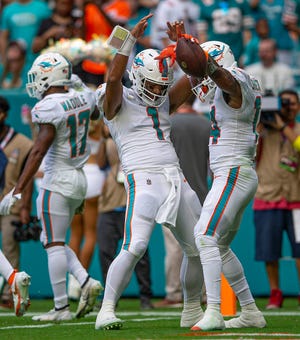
153 113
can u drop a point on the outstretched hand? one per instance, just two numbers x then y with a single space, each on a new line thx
139 29
175 30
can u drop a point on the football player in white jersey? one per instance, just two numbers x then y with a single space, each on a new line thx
63 113
235 110
138 120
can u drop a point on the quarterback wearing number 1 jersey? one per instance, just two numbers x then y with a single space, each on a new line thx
138 121
156 192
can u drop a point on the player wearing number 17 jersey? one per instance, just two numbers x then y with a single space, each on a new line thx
63 113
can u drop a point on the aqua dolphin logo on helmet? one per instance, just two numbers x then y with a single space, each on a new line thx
49 69
144 70
215 53
223 55
48 65
138 61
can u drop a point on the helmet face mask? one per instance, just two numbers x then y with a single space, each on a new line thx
205 90
145 75
223 55
50 69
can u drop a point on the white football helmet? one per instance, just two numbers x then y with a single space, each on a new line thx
49 69
223 55
145 68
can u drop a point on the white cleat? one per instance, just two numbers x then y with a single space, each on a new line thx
90 291
246 320
74 289
191 316
212 320
108 322
20 291
55 315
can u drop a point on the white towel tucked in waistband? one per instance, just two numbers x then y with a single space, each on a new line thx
167 213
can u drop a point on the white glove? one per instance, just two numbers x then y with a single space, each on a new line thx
76 82
8 201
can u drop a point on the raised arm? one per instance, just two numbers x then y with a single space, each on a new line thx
222 78
125 40
181 90
218 58
226 82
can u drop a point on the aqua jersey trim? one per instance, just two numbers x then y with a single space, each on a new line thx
223 201
129 214
46 215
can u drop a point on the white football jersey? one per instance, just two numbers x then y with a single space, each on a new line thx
70 114
233 136
141 133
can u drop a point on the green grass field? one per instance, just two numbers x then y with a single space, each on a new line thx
153 324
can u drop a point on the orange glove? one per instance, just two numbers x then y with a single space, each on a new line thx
189 37
168 52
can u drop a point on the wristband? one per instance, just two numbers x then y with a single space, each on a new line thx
212 66
296 143
121 39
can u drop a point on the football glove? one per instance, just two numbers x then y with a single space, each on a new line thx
76 83
190 37
168 52
8 201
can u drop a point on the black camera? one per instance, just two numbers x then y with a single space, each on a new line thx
29 231
272 105
285 104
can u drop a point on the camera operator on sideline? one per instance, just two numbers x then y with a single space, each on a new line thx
277 200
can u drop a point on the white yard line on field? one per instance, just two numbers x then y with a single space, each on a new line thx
202 334
161 313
